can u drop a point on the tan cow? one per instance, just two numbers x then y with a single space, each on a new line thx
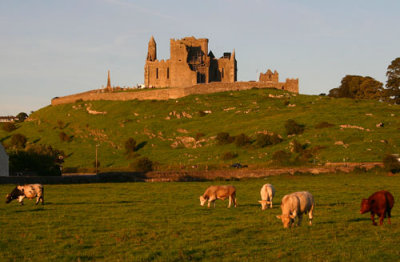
218 192
267 194
295 205
30 191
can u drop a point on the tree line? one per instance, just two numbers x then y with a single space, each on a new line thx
366 87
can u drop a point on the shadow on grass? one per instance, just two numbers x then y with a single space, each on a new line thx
93 203
32 210
359 219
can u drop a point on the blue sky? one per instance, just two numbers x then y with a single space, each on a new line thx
57 48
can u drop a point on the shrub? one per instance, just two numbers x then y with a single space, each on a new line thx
391 163
264 140
202 113
9 126
229 155
324 124
64 137
293 128
142 164
60 124
18 141
224 138
130 146
281 157
41 160
242 140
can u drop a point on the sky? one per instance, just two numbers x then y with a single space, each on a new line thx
57 48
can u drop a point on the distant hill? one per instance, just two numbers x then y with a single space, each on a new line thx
181 133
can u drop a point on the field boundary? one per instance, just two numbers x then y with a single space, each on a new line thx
188 176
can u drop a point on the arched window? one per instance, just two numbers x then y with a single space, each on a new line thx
156 73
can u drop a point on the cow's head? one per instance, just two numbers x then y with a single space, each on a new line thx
264 204
202 201
14 194
365 207
287 220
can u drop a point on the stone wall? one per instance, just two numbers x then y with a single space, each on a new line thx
170 93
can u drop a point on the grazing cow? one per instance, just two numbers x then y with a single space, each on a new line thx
267 194
379 203
295 205
29 191
218 192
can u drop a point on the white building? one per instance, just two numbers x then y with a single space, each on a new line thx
3 162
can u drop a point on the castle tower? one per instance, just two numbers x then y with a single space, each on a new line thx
152 50
108 80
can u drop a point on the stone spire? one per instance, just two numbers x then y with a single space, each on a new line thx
233 55
152 50
108 80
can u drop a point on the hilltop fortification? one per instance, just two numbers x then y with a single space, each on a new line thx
191 69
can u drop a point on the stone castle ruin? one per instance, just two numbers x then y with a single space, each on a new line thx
190 63
191 69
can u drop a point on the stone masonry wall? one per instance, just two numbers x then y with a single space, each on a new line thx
170 93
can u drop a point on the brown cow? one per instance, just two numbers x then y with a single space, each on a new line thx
29 191
379 203
218 192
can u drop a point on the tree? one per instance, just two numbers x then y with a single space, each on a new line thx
393 81
360 87
22 116
38 159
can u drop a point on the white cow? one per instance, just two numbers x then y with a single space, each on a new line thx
213 193
30 191
295 205
267 194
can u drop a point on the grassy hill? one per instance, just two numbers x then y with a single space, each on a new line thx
175 133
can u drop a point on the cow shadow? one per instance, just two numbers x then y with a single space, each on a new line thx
32 210
359 219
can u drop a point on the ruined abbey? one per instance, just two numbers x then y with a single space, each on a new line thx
191 69
190 63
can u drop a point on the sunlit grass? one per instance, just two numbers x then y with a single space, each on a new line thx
164 222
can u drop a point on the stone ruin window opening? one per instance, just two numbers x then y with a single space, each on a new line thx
167 72
157 73
222 73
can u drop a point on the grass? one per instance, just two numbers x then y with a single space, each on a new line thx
157 125
164 222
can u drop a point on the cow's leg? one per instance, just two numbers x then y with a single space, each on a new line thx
373 219
42 199
381 217
299 217
37 200
234 199
270 202
21 200
211 200
310 215
389 216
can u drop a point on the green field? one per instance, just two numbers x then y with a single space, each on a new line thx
164 222
160 126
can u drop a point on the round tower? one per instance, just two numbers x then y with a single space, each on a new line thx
152 50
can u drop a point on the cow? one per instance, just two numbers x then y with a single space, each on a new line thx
213 193
267 194
379 203
30 191
295 205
